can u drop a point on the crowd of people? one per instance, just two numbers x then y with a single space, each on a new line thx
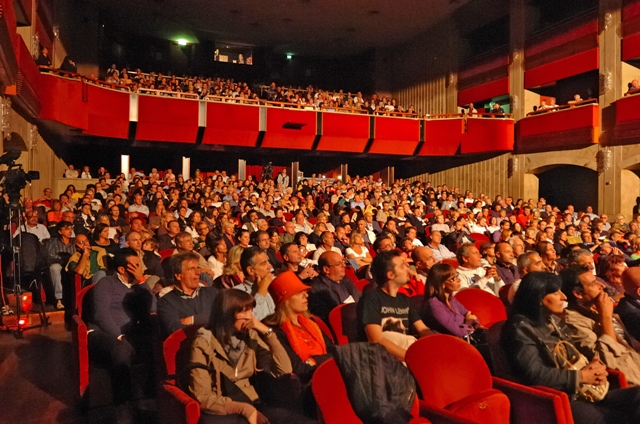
253 264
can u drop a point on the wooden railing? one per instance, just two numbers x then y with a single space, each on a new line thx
556 108
224 99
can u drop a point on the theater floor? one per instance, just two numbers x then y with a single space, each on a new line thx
36 379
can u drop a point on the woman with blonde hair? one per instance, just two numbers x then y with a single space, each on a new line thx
357 250
306 345
232 274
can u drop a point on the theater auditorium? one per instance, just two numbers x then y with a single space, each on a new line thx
320 211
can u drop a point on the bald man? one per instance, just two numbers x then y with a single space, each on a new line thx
423 260
629 307
331 288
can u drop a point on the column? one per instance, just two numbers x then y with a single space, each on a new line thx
295 169
186 167
242 169
124 165
609 179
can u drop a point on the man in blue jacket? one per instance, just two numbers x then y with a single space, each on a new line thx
119 321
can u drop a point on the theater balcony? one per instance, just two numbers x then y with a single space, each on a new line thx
564 127
77 107
627 126
448 135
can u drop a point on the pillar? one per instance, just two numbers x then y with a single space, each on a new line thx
344 172
186 167
517 36
295 169
124 165
609 184
242 169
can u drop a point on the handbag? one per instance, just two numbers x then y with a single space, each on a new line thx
567 357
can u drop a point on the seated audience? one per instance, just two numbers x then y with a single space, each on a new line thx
292 255
473 275
120 327
88 261
331 287
258 275
57 252
595 327
441 311
629 307
190 301
357 252
231 349
440 251
532 331
386 316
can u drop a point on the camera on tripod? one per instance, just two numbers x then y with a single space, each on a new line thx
14 179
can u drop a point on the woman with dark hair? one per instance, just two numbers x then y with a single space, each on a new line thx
225 354
529 337
611 269
101 239
560 240
441 311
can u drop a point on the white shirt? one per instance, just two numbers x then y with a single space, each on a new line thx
476 278
139 208
39 231
216 265
320 250
441 252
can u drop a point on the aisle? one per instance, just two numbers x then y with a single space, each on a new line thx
36 378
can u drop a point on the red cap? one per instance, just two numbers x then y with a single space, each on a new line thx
286 285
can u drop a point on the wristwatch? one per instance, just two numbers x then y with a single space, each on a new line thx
268 332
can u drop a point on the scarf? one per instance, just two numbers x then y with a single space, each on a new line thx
306 340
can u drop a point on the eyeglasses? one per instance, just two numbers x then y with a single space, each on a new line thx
452 279
341 264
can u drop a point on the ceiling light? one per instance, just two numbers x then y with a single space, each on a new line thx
181 42
289 56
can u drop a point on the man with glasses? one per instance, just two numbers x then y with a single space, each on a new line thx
331 288
32 226
88 261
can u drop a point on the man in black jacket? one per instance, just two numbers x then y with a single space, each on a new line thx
189 302
331 288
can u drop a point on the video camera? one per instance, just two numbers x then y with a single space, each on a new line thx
14 179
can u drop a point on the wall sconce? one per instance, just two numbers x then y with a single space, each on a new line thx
33 132
604 159
512 166
56 31
607 20
514 103
35 46
5 116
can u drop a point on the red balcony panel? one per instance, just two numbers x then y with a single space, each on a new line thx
278 136
442 137
107 112
26 98
395 136
488 135
44 37
563 68
484 91
627 128
568 128
631 47
61 100
167 119
548 41
343 132
232 124
8 61
631 11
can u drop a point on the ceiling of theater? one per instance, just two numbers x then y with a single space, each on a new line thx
295 26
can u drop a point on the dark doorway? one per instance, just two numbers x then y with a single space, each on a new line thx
570 185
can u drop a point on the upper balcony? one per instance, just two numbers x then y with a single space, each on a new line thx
559 128
105 110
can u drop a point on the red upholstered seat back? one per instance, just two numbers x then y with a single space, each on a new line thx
331 395
343 320
479 237
323 327
453 262
170 349
80 298
487 307
447 369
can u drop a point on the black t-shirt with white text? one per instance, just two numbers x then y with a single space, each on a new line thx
391 313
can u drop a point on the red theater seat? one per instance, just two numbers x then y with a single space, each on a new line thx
479 237
323 327
175 405
453 262
344 323
487 307
333 402
453 377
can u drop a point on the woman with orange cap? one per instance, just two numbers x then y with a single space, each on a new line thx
298 333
